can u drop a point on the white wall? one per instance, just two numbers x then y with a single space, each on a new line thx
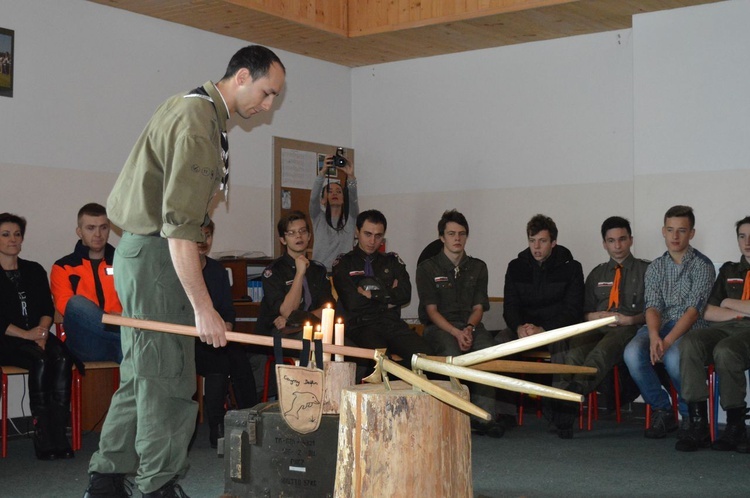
692 120
500 134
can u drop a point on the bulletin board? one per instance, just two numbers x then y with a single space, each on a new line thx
295 165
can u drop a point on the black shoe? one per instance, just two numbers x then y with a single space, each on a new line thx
733 436
697 436
491 429
108 486
662 423
565 432
169 490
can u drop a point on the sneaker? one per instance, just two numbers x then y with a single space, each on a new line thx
169 490
108 486
695 437
734 436
662 423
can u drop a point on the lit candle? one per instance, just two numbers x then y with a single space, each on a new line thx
318 333
307 333
339 337
326 324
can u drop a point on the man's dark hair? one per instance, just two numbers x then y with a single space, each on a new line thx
539 223
14 218
615 222
743 221
455 217
373 216
680 212
256 59
283 225
92 209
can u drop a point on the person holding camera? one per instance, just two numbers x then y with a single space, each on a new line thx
333 210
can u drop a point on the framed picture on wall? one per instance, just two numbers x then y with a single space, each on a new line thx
6 62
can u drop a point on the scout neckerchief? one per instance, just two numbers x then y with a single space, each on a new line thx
200 92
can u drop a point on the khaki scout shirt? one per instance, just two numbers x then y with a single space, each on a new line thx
632 289
174 169
454 289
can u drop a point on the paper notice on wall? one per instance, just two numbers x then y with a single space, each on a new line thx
298 168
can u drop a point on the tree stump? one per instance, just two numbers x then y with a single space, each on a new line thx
402 443
338 375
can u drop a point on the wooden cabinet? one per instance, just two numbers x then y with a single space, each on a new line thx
247 316
241 268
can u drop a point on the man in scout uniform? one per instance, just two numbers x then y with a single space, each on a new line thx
452 289
160 201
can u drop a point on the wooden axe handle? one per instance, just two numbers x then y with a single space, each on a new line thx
259 340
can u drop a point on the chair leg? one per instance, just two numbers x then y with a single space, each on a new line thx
199 393
76 407
5 415
712 405
616 374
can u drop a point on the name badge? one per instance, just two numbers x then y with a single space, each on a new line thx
109 270
734 281
289 282
356 273
441 279
605 284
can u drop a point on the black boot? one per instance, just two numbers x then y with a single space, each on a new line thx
734 433
43 446
169 490
60 402
108 486
215 398
59 417
697 434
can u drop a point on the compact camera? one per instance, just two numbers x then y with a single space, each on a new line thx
338 159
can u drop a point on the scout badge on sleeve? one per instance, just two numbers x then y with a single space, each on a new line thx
300 391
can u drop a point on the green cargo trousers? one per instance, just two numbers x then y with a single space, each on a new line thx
727 346
601 348
152 415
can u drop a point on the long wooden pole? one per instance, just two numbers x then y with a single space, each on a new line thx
527 343
491 379
259 340
523 367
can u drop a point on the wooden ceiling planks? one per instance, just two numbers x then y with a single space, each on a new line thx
232 18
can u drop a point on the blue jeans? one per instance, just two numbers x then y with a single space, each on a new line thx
87 337
637 358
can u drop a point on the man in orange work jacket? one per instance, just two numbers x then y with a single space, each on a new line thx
83 288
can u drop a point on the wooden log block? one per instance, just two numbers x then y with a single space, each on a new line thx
338 375
402 443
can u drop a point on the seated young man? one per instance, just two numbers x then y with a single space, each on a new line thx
372 287
677 287
83 288
543 291
614 288
452 289
726 343
293 286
